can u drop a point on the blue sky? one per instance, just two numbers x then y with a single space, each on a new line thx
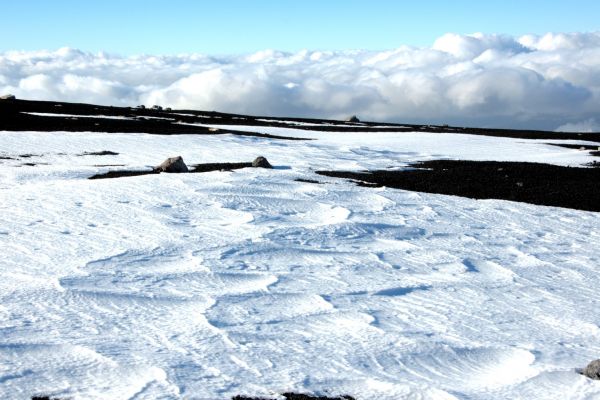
237 26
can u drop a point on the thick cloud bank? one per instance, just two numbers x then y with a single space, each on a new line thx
545 82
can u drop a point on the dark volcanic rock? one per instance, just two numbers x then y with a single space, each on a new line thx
198 168
543 184
99 153
593 164
308 181
15 115
296 396
122 174
261 162
592 370
172 165
353 118
208 167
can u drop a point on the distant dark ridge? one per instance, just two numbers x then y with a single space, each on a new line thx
13 119
542 184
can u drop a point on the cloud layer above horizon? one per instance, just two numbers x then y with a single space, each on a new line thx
541 82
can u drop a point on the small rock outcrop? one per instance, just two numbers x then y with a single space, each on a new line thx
8 97
592 370
261 162
353 118
172 165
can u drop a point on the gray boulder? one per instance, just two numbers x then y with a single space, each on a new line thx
592 370
353 118
8 97
261 162
172 165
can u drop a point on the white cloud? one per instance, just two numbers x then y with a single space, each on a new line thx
540 82
589 125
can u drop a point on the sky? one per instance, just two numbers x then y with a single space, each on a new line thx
508 64
241 26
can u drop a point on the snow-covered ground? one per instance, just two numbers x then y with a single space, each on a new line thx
210 285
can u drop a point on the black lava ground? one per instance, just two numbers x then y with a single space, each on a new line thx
296 396
575 146
122 174
98 153
288 396
13 117
198 168
308 181
542 184
228 166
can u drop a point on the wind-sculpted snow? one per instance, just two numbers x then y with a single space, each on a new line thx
216 284
540 82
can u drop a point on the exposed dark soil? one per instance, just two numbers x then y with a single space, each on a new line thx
44 398
122 174
219 166
288 396
13 117
308 181
296 396
593 149
575 146
208 167
99 153
542 184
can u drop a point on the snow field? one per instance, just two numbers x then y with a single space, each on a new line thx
249 282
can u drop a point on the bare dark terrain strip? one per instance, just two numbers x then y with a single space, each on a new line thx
14 117
296 396
198 168
287 396
541 184
122 174
207 167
